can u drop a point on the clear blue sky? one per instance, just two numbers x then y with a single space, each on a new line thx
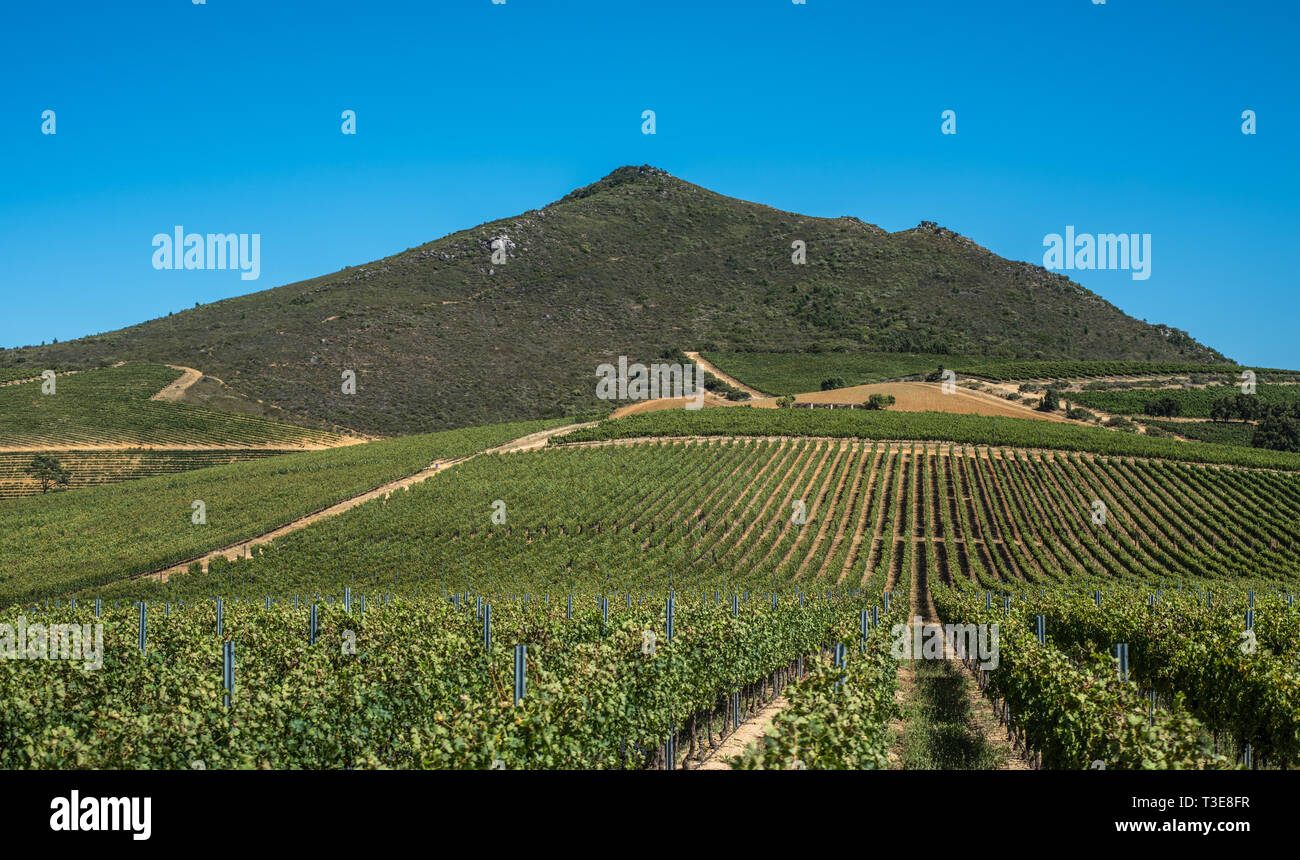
1123 117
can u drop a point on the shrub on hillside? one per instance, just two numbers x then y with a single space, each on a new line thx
879 401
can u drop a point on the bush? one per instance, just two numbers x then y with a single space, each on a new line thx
834 382
879 401
1051 401
785 402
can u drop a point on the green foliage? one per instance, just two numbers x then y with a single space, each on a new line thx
1206 431
1162 407
723 389
879 401
1076 713
112 406
418 690
1208 402
49 472
1181 648
100 534
838 718
1051 401
833 382
1278 431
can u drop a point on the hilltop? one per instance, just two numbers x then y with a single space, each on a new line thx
635 264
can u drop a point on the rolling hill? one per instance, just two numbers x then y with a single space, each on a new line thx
637 263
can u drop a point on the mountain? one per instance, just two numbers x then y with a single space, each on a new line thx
635 264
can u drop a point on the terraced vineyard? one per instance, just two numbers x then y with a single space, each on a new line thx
93 468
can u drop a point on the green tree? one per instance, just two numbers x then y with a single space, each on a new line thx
1223 409
1277 430
49 472
1246 406
1051 401
1162 407
879 401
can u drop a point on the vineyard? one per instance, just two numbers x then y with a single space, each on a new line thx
1210 675
617 681
928 427
111 407
92 468
105 533
1218 432
724 514
1009 371
617 602
1192 402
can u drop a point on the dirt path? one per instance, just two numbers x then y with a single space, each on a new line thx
749 731
244 548
947 722
174 392
709 366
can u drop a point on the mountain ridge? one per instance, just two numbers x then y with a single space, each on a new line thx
637 263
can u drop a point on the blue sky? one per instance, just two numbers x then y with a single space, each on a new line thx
225 117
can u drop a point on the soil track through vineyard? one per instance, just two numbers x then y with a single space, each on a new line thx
245 547
750 730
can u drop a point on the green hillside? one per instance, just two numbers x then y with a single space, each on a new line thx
105 533
441 336
112 406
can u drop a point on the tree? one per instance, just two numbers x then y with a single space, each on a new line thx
1246 406
1279 431
1051 401
49 472
785 402
879 401
1223 409
833 383
1162 407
